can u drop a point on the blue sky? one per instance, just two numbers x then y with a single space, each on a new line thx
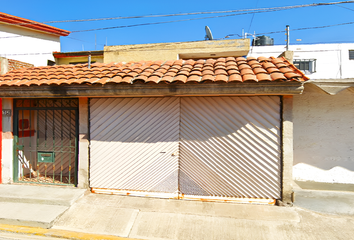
43 11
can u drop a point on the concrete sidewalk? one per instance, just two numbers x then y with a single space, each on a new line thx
33 205
325 198
148 218
96 216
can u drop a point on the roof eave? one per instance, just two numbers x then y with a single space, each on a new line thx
148 90
25 23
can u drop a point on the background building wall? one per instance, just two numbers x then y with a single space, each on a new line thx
323 136
28 46
176 50
332 60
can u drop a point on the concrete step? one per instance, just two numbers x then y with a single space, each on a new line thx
34 194
33 205
325 201
29 214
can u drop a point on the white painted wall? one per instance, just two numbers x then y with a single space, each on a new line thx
7 143
332 60
28 46
323 136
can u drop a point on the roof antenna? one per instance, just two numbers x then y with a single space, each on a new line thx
209 35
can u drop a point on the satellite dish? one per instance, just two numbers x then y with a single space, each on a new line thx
208 35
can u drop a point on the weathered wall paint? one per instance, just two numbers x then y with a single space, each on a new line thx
7 143
323 136
288 143
176 50
1 141
83 163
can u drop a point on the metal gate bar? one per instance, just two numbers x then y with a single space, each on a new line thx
45 141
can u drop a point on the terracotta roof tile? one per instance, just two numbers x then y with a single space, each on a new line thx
221 77
228 69
181 78
259 70
249 77
208 77
277 76
246 71
263 77
235 78
194 78
263 59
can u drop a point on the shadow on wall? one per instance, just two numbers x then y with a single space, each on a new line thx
323 136
214 141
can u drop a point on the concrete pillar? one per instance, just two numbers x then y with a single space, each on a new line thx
287 161
289 55
4 65
7 142
83 165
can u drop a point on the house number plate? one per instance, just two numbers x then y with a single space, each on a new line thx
6 112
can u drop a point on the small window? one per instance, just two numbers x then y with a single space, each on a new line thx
305 65
351 54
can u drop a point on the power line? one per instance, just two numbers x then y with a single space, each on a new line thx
173 21
243 11
297 29
197 13
274 32
252 18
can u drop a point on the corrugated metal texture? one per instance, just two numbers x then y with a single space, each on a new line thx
134 143
230 146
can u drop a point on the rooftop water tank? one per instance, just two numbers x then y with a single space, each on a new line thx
263 41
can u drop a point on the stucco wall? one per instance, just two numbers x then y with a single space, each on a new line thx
332 60
176 50
27 46
323 136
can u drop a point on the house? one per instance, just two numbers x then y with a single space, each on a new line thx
208 128
323 114
63 58
28 41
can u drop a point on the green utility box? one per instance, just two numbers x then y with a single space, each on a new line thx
46 157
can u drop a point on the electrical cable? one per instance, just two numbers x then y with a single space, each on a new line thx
198 13
244 11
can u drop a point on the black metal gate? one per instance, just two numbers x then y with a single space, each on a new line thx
45 141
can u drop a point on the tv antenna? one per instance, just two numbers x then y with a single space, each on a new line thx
209 35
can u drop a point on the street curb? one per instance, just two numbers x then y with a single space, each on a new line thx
57 233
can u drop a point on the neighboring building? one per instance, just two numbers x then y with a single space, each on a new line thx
63 58
218 129
28 41
176 50
323 114
317 61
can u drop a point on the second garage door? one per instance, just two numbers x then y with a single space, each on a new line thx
190 146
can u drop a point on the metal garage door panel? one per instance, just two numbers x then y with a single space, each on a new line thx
230 146
134 144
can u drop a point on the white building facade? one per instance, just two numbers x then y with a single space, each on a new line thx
28 41
323 116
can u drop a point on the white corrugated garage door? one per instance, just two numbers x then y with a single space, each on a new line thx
230 147
197 146
134 143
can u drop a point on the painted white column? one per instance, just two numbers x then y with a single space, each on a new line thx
7 142
83 163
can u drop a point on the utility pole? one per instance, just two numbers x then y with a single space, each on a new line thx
287 38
